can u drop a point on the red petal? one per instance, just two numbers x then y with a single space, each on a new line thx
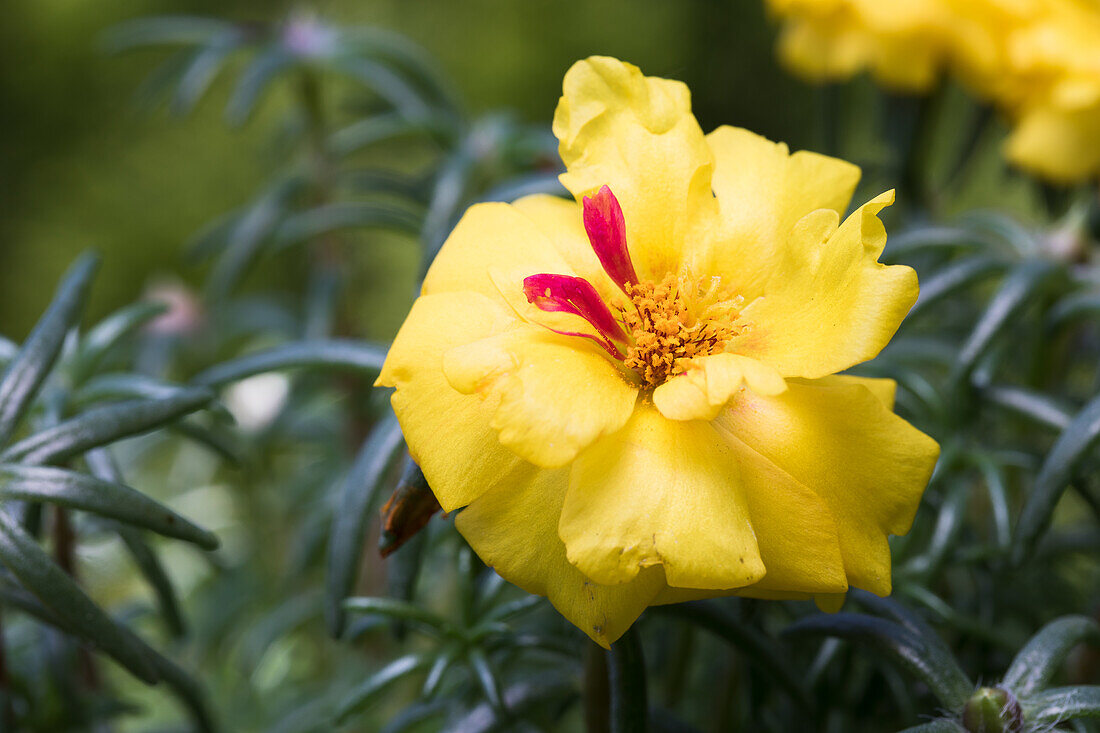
606 227
569 294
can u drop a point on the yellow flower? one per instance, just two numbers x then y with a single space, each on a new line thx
634 395
1038 60
1054 64
904 44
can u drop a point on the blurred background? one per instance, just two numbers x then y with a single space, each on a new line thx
84 164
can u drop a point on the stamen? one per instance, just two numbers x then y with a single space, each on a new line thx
679 319
606 227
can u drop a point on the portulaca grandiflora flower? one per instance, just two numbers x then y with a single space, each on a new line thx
633 397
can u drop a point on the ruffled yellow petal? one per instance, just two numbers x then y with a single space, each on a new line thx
554 394
868 465
828 303
762 191
660 492
448 433
513 527
637 135
795 530
710 382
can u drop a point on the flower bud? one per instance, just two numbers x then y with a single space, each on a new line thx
992 710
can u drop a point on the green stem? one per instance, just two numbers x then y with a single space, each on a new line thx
627 681
597 694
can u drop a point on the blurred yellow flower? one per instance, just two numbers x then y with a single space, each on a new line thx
1038 60
901 43
1054 91
634 395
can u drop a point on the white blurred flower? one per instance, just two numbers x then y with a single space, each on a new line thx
256 402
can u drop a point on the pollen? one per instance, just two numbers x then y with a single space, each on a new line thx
676 320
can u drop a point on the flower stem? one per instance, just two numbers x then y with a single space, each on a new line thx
627 681
597 694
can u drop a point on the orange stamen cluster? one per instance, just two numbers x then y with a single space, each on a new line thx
676 320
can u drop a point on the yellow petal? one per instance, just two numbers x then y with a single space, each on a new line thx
795 530
884 389
828 303
448 433
513 527
660 492
555 394
868 465
710 382
637 135
762 192
492 235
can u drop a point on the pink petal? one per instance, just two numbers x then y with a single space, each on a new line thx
606 227
569 294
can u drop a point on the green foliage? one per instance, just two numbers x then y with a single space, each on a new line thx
259 403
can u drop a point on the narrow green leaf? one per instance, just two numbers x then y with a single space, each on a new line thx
949 522
1074 444
121 386
347 535
1072 307
31 366
107 333
202 69
8 350
518 698
513 609
1043 655
993 478
627 680
410 57
761 650
151 568
383 128
102 465
167 29
377 683
384 81
1061 704
905 245
398 610
334 217
337 353
1023 286
249 233
528 185
922 659
103 425
59 593
189 692
942 725
954 277
268 64
1040 408
116 501
443 661
486 679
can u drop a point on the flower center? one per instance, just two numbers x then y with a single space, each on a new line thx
679 319
667 323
